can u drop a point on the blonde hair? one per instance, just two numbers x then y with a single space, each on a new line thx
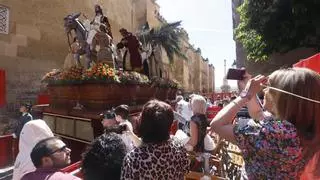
303 114
198 104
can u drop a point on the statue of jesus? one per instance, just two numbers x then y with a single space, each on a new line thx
94 26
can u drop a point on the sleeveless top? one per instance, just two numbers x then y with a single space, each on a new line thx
202 123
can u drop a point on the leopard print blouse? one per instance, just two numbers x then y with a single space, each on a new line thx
156 161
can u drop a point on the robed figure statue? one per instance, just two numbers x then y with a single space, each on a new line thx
132 60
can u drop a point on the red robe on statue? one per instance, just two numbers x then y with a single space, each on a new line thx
132 43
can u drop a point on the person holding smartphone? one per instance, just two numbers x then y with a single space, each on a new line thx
279 145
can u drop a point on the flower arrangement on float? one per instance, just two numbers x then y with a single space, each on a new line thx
109 86
69 76
132 77
165 83
102 73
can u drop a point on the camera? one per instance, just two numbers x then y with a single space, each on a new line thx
235 74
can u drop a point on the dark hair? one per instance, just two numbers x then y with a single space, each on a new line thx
28 106
118 129
99 9
103 158
156 121
40 150
123 111
108 114
123 30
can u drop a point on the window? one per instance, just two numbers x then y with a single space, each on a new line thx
4 19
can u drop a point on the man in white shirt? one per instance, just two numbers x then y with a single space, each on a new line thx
184 109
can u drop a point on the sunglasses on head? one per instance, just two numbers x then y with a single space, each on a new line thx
109 116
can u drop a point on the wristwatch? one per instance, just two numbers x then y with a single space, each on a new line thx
245 95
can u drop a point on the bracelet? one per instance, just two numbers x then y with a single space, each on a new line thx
236 104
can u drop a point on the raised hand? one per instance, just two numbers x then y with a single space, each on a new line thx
242 83
253 86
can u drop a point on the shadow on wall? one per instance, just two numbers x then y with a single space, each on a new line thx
278 61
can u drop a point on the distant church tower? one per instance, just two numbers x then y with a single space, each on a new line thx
225 86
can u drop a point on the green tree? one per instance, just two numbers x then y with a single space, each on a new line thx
268 26
166 36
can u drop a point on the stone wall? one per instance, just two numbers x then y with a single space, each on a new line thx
36 42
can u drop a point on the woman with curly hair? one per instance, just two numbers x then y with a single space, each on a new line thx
103 158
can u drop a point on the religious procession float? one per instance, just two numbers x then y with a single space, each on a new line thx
98 77
109 76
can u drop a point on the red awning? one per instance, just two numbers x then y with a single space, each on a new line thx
312 62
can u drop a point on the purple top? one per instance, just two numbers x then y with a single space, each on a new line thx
48 174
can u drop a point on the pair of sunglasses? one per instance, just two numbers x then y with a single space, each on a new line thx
63 148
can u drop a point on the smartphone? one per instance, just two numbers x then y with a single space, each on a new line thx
236 74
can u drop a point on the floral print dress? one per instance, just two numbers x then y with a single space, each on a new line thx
271 148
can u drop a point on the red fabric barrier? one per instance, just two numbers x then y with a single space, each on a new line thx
212 111
312 63
7 154
71 167
43 99
74 169
2 88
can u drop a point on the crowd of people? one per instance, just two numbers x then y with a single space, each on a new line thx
278 140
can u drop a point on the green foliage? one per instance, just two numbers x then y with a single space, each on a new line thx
268 26
166 36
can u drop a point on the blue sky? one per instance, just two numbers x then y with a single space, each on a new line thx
209 25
